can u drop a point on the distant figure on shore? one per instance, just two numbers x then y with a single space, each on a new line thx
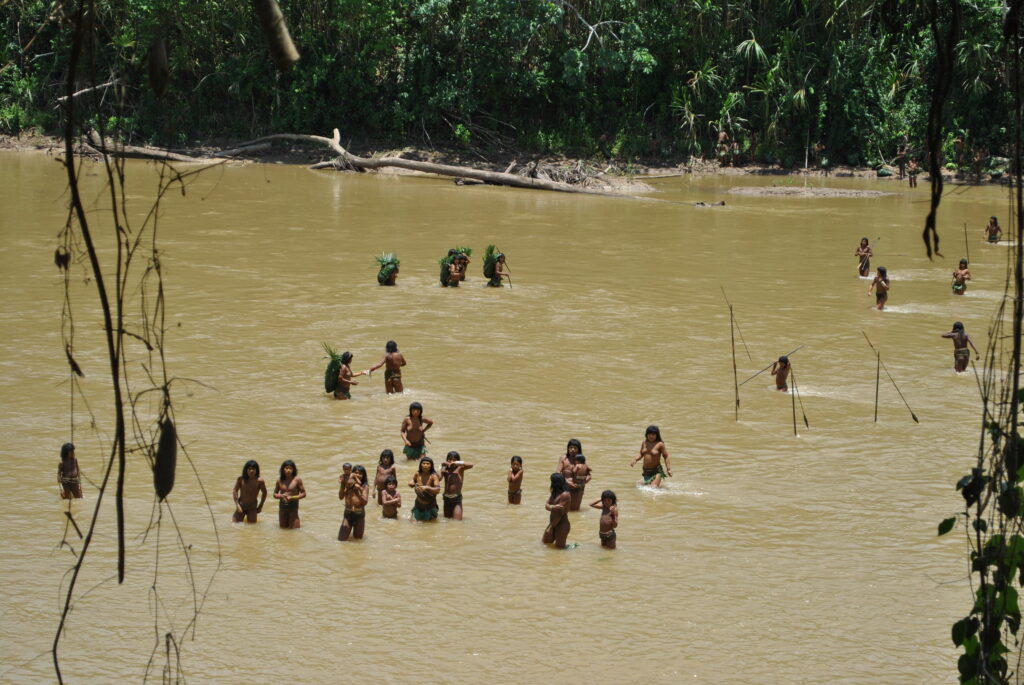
609 518
385 469
781 369
426 483
881 287
414 432
993 230
391 499
393 361
68 474
912 171
961 355
288 491
355 492
558 506
864 256
247 486
453 472
960 277
515 480
720 203
652 451
581 475
901 155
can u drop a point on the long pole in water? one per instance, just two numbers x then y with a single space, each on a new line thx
735 377
732 319
792 395
878 378
768 367
796 391
967 245
889 375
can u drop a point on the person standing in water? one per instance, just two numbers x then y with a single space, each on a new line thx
961 355
453 472
247 487
385 470
781 369
355 492
581 475
394 361
960 277
864 254
993 231
912 171
391 499
609 518
345 376
515 480
652 451
288 491
558 506
881 287
68 474
414 432
427 484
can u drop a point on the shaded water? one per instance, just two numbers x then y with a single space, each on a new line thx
767 558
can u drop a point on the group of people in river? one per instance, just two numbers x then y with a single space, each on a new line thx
568 483
961 275
393 361
454 267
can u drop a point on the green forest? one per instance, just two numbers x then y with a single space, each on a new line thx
838 80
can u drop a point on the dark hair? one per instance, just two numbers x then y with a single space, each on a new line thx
883 273
558 485
416 405
389 480
500 256
994 219
386 454
392 346
784 360
655 430
964 262
452 251
289 462
608 494
346 357
245 469
580 459
358 468
515 459
66 449
451 454
419 468
571 443
958 326
863 240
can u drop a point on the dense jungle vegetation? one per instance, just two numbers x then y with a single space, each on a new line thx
841 80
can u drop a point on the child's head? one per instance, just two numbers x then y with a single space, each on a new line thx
573 448
67 450
359 471
958 327
784 361
387 458
608 498
288 469
452 456
391 346
346 467
883 273
416 410
653 434
346 357
963 263
517 462
250 470
390 483
580 459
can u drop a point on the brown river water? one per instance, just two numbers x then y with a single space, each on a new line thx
767 558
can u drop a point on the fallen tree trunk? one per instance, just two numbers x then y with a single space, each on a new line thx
494 177
134 152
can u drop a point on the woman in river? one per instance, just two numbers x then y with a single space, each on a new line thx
558 504
414 431
288 491
993 231
864 254
960 277
881 287
355 492
961 355
427 484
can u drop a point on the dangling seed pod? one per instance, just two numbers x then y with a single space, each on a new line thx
62 258
166 459
275 31
159 72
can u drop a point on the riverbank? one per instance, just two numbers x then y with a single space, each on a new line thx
612 175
